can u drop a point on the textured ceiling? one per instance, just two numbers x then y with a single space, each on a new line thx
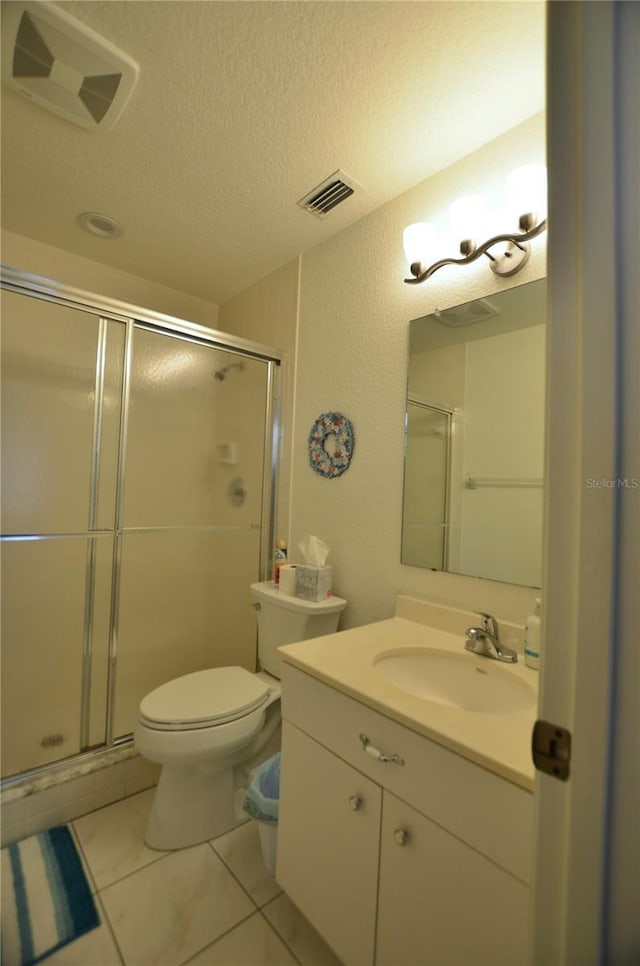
242 107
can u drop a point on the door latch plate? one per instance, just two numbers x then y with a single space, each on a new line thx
551 749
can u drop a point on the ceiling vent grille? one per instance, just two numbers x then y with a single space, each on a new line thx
331 192
467 314
31 56
64 66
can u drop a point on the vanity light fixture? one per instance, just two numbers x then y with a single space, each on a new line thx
526 191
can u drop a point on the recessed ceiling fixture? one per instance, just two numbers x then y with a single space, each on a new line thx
102 225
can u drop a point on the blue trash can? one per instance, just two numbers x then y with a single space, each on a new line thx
262 802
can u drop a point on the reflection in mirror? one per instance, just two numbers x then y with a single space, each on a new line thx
475 437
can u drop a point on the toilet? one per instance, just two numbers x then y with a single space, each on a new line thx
200 727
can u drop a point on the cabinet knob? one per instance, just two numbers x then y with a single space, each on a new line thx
401 835
355 802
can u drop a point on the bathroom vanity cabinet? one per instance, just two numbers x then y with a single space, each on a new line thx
421 859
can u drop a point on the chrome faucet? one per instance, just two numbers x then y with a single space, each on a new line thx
485 640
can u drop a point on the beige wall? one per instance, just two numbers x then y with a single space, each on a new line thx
352 357
437 376
40 259
268 313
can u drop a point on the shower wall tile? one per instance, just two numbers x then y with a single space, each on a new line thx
139 775
43 820
79 806
267 312
57 805
180 421
13 812
78 788
109 777
110 785
12 833
109 794
12 822
79 796
46 801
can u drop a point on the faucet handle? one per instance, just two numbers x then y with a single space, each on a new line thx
475 634
490 624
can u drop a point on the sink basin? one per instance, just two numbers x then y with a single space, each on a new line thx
456 680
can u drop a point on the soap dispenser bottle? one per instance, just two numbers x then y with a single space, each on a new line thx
533 638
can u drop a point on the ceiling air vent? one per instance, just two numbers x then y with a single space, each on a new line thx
333 191
467 314
64 66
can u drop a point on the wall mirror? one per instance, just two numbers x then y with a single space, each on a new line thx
473 473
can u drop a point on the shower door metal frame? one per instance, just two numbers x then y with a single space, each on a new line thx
133 316
448 415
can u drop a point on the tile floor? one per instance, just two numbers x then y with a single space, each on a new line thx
210 904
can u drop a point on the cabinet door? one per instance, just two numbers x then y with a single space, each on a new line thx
441 902
327 862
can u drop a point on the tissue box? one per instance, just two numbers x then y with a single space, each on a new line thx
313 583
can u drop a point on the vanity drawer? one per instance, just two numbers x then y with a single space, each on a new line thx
487 812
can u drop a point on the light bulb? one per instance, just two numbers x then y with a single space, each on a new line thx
469 219
526 191
420 242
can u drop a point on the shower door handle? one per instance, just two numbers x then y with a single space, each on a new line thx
237 491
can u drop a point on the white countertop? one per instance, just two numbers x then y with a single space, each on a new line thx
345 660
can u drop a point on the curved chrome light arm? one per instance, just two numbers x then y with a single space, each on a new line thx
421 275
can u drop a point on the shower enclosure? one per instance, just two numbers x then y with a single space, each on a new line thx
426 511
138 476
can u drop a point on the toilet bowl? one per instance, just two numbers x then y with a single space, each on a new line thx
198 727
201 726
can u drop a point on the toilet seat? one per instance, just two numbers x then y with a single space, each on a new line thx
203 699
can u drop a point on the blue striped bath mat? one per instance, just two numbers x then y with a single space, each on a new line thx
46 899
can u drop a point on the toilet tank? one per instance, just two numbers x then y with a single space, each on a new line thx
284 620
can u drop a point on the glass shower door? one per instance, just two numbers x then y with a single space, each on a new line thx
190 516
61 391
426 480
137 499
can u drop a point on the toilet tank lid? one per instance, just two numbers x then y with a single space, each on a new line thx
267 591
209 695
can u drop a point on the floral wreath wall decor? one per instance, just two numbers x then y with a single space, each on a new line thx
321 460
